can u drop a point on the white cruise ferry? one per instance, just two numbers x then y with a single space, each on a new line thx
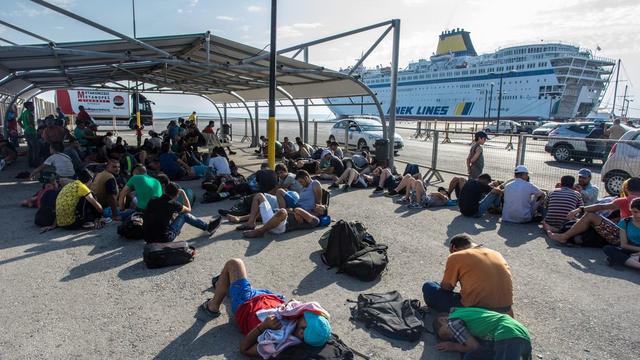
539 81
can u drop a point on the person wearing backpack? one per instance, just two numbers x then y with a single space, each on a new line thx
482 334
268 323
483 274
628 252
159 222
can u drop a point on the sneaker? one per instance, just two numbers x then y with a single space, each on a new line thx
391 192
232 153
346 188
2 164
414 206
402 200
214 224
223 212
333 186
378 190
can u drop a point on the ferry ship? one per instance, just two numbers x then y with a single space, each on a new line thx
538 81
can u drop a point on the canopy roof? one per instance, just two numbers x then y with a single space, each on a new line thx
218 68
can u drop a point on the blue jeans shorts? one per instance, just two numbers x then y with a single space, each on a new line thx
240 291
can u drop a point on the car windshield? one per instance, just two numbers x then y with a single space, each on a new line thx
549 125
370 125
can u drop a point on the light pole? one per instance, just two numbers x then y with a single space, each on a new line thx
490 99
499 105
271 121
484 115
551 97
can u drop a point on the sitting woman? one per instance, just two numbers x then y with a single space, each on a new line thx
628 253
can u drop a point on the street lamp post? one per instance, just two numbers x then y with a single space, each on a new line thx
490 99
484 115
499 105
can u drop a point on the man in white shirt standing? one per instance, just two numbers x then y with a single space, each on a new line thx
521 198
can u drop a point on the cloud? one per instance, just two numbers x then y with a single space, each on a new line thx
288 31
225 18
254 8
307 25
192 4
414 2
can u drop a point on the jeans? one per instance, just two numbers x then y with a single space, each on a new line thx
508 349
33 150
439 299
490 200
617 254
183 218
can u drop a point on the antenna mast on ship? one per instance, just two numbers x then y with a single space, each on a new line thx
615 91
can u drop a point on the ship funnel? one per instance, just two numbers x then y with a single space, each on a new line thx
458 42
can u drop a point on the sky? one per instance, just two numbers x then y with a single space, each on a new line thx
610 25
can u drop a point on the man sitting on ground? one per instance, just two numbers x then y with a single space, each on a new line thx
483 274
304 150
606 228
60 161
159 222
8 153
588 191
331 167
144 186
522 199
76 207
105 187
560 203
336 150
479 195
286 180
288 148
299 322
482 334
171 165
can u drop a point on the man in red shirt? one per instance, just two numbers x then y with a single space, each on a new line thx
246 301
83 115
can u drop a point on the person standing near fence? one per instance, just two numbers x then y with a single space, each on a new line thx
28 124
475 160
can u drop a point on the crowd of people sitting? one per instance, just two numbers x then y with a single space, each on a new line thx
90 179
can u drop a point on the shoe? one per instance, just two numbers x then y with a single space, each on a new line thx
223 212
346 188
214 224
403 200
214 280
414 206
232 153
378 190
207 314
2 164
256 151
391 193
608 260
333 186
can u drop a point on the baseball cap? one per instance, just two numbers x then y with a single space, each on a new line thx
584 172
325 153
521 169
318 330
481 134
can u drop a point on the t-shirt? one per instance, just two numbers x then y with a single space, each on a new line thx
267 180
616 131
470 195
484 277
307 199
67 201
157 218
518 201
589 194
145 187
62 163
633 232
337 165
26 125
246 313
54 133
220 165
490 325
79 134
623 204
74 155
478 165
169 164
559 203
359 161
291 183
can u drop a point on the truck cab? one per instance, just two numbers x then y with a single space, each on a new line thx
146 112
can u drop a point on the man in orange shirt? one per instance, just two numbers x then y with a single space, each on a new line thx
483 274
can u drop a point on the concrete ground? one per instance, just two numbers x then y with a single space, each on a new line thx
88 295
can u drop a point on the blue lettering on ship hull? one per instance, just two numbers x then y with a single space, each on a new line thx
421 110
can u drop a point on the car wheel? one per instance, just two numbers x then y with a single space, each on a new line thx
613 181
361 144
332 138
562 153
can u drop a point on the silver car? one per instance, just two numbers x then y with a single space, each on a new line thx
623 162
362 131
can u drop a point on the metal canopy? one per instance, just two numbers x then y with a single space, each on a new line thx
213 68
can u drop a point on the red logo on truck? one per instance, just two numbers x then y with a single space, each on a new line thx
118 100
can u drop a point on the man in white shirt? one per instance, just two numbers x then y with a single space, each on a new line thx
219 164
521 198
60 161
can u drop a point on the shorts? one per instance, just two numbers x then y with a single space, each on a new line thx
292 224
266 213
609 231
273 202
291 199
360 183
240 291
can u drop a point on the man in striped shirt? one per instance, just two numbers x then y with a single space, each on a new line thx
560 202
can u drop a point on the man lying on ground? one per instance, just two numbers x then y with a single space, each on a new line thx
482 334
268 323
419 198
606 228
159 222
478 196
483 274
560 203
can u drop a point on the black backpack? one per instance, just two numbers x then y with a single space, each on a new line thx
46 214
132 228
366 264
157 255
391 315
334 349
344 241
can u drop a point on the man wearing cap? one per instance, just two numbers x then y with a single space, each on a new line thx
268 323
475 160
521 198
588 192
331 167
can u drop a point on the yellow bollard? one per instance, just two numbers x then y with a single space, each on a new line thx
271 148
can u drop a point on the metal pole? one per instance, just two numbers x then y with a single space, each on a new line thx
394 87
271 122
624 98
484 116
224 112
306 104
133 8
256 137
499 105
315 133
615 90
490 100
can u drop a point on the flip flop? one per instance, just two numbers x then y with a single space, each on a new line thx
245 227
205 310
214 281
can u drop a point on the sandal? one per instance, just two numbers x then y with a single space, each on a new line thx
205 310
245 227
214 281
